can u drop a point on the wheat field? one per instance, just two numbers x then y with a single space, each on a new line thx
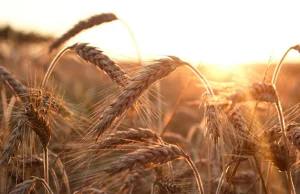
75 120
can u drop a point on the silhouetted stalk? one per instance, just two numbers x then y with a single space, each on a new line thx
291 187
52 65
278 66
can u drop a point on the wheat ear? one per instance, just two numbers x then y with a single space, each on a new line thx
236 117
38 123
155 155
14 141
167 186
124 137
293 134
214 126
24 188
83 25
43 99
15 86
213 116
95 56
258 91
103 62
132 179
26 161
27 186
146 77
213 122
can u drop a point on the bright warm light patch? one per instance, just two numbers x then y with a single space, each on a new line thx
208 32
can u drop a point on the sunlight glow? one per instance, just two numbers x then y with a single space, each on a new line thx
207 32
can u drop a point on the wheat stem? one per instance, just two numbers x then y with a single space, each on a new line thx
44 183
278 66
52 65
196 173
260 174
46 165
134 41
291 187
202 79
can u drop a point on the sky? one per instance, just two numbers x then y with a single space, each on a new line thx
207 32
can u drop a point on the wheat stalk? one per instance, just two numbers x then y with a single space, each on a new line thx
291 187
57 161
281 118
278 66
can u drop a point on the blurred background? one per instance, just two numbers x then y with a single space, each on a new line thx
209 32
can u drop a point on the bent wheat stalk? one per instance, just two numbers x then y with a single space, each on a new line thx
278 66
202 78
291 187
52 65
